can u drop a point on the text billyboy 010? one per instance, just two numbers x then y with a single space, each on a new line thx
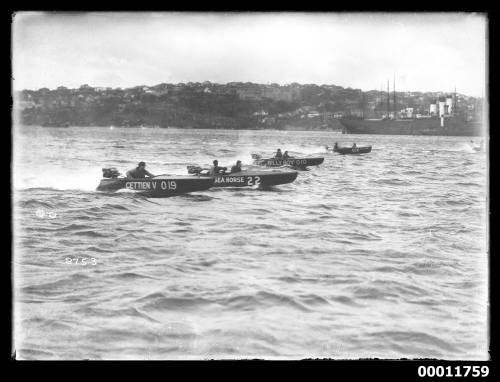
286 162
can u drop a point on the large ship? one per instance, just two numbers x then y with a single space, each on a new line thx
443 118
416 126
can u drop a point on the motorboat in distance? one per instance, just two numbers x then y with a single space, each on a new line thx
247 178
300 163
350 150
158 186
478 148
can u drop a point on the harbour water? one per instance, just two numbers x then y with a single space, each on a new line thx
380 255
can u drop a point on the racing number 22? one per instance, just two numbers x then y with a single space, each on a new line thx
251 182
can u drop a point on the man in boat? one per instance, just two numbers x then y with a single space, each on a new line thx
216 169
278 154
236 167
335 146
354 145
139 172
285 155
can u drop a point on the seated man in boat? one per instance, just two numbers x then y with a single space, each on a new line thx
236 167
285 155
278 154
139 172
335 146
216 169
354 145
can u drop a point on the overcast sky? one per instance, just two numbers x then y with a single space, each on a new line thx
426 52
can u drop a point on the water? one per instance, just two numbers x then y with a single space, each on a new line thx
381 255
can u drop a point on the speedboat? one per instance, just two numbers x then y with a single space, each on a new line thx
478 148
247 178
350 150
300 163
161 185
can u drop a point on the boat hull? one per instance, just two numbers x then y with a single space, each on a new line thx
353 151
452 126
292 162
158 186
248 178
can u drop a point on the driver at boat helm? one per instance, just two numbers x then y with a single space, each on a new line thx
216 169
139 172
285 155
278 154
236 167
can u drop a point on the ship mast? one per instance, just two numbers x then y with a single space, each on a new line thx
394 97
381 99
362 104
388 100
455 102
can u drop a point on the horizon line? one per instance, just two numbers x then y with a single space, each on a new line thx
241 82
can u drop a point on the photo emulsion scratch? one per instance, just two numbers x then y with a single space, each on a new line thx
250 186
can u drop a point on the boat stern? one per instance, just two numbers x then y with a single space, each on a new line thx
111 185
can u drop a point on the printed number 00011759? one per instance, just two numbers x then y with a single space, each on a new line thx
453 371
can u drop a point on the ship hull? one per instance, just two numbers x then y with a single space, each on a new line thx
427 126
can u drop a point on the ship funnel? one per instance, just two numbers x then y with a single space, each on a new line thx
433 109
449 105
441 104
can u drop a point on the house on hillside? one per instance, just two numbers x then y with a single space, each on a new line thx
261 112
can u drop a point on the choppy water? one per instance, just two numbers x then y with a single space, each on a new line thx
381 255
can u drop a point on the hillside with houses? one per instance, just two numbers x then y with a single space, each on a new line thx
234 105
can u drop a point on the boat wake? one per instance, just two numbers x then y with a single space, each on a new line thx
302 150
84 179
470 148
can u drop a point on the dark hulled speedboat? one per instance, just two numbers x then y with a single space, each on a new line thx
159 186
350 150
247 178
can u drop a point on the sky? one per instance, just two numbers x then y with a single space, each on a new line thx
423 51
